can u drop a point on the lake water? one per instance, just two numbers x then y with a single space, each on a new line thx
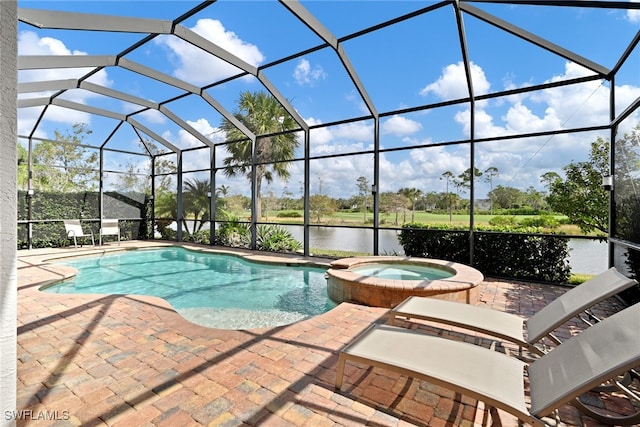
585 256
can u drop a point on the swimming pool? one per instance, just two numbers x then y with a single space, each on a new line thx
214 290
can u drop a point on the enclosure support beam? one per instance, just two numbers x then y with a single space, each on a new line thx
612 171
179 209
212 195
101 188
305 192
375 185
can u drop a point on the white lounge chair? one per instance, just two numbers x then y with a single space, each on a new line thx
599 353
109 227
511 327
74 231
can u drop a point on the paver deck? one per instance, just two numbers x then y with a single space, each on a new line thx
132 361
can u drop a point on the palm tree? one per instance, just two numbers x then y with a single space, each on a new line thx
262 114
196 203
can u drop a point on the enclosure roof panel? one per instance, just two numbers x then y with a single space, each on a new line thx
324 62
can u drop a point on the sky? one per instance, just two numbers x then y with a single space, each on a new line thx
414 63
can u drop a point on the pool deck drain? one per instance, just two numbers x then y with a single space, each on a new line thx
127 360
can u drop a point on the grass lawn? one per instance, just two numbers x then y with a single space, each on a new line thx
391 220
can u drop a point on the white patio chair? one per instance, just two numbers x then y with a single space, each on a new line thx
511 327
599 353
74 230
109 227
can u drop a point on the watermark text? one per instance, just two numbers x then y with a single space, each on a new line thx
30 414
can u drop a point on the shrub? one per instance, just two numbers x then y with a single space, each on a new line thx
523 256
442 242
545 221
167 233
289 214
501 254
200 236
233 233
503 220
276 238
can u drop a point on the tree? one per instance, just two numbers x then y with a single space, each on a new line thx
392 202
448 177
465 177
506 197
23 167
412 195
223 190
65 164
195 203
431 200
321 205
535 198
262 114
549 178
269 203
363 190
135 177
489 174
131 179
628 163
580 195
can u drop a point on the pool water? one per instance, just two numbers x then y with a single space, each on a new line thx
402 271
213 290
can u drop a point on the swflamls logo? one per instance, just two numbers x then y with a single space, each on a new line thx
29 414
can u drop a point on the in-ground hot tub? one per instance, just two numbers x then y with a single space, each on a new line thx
385 281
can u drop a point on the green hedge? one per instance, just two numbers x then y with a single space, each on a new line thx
499 254
52 208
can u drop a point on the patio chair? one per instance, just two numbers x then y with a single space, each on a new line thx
109 227
601 352
74 230
511 327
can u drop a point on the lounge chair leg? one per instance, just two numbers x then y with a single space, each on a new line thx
340 370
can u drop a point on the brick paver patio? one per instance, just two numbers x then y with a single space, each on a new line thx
132 361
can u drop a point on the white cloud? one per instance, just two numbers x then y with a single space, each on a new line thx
198 67
558 108
400 126
30 44
152 117
452 84
633 15
26 119
305 75
214 134
354 98
357 131
520 162
349 137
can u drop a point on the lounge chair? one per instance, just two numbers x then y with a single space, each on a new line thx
74 231
511 327
109 227
599 353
